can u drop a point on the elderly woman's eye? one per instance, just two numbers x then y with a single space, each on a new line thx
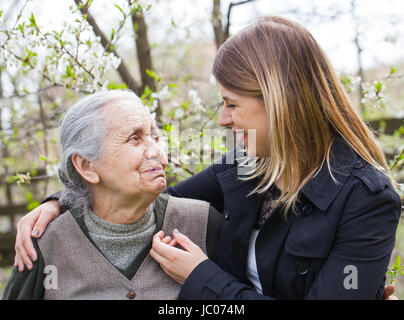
156 138
135 137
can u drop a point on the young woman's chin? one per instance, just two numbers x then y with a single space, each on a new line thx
254 152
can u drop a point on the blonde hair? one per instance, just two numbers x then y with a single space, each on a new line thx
279 61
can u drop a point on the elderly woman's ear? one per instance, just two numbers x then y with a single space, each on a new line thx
85 168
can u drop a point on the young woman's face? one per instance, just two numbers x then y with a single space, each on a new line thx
247 117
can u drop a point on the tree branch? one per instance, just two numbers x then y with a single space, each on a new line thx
359 50
144 53
232 4
217 24
122 69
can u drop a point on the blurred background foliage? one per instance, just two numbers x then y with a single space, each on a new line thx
54 52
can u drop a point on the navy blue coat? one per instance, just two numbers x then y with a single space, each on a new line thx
336 246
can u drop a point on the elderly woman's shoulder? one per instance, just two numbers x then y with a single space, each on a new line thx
54 227
186 203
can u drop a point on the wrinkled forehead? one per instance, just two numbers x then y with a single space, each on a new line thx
124 115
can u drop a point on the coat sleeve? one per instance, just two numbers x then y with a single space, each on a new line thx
209 282
27 285
354 269
356 266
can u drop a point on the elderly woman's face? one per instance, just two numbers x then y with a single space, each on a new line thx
132 161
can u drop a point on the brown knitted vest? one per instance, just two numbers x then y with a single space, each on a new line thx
84 273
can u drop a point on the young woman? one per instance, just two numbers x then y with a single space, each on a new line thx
316 219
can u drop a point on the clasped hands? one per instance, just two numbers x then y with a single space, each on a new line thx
176 263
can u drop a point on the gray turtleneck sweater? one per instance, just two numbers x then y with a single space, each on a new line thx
121 243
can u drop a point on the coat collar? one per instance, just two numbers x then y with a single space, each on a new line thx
322 189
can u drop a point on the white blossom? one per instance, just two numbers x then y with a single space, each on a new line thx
179 113
162 94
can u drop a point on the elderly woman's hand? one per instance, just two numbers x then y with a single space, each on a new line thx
177 263
33 224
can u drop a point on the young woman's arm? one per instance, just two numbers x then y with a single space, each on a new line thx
32 225
28 285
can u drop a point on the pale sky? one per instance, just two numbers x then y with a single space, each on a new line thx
381 23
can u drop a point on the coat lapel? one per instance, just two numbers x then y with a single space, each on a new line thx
240 214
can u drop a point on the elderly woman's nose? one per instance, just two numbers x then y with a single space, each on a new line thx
152 151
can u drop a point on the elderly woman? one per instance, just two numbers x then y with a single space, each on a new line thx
113 170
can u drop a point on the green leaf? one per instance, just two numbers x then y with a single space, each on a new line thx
393 70
11 179
40 134
398 261
112 34
119 8
167 127
32 205
15 133
29 197
21 27
30 53
153 75
113 86
379 86
89 3
32 20
138 8
69 73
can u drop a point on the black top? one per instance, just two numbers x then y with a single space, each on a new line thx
337 245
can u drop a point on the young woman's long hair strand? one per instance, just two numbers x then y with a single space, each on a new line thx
279 61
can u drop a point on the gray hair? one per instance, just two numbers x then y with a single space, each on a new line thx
82 132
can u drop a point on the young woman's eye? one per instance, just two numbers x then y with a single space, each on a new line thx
231 106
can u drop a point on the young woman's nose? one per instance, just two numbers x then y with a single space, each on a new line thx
225 119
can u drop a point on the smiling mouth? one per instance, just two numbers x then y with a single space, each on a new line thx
157 171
